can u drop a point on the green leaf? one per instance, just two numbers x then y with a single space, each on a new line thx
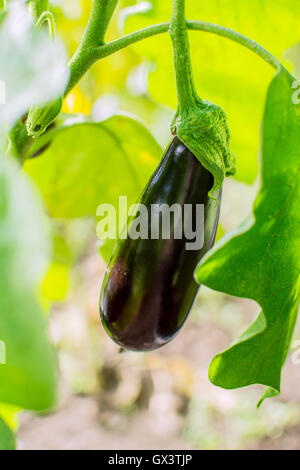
268 393
225 73
92 163
28 367
88 164
7 438
33 68
33 71
260 260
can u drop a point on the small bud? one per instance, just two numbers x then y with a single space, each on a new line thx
39 118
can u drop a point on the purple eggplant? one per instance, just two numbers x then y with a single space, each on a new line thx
149 289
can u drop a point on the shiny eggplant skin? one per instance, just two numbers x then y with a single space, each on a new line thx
149 288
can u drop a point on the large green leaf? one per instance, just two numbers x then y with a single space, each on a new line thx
225 73
28 378
7 438
92 163
33 71
88 164
261 259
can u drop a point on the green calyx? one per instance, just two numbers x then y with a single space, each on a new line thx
199 124
203 129
39 118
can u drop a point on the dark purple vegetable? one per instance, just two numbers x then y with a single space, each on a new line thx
149 289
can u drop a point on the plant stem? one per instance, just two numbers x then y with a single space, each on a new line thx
93 38
150 31
37 7
118 44
186 91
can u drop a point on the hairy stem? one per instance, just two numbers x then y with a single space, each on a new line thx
102 11
114 46
93 38
186 91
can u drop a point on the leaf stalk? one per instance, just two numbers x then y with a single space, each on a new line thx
186 91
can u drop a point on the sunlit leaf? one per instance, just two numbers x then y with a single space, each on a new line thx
7 438
88 164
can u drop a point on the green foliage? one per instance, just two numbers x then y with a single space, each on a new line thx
260 260
29 375
2 6
204 131
225 74
7 438
39 118
201 126
92 163
83 164
37 7
32 67
33 70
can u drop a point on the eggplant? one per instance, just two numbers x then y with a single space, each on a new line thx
149 288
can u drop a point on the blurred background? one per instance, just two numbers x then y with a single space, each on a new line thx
162 400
